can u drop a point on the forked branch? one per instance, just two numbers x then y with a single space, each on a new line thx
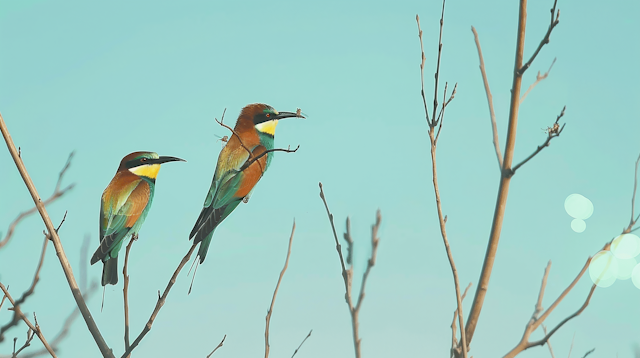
275 292
64 262
347 274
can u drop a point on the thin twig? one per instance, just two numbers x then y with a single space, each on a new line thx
588 352
125 293
633 221
275 292
249 162
437 74
304 340
16 318
552 132
454 339
545 39
571 347
219 345
57 193
487 90
35 328
544 329
160 303
62 257
26 344
424 100
539 78
494 126
347 274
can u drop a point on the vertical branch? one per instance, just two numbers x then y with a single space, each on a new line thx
433 137
125 293
503 191
347 274
53 235
275 292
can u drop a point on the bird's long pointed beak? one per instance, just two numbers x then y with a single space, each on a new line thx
166 160
281 115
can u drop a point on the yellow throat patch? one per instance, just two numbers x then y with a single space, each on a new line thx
149 170
268 127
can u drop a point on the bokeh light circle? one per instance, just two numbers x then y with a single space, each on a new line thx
625 268
578 225
579 207
626 246
603 269
635 276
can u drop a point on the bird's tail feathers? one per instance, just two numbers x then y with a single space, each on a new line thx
204 247
110 272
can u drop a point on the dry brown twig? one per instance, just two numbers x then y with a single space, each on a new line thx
506 171
57 193
62 257
539 78
36 278
454 338
219 345
26 344
275 292
35 329
544 329
125 292
160 303
304 340
347 274
552 132
494 126
433 137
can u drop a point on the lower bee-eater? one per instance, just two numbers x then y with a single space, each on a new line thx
238 170
124 207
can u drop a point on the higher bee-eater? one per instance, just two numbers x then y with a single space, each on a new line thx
124 207
237 171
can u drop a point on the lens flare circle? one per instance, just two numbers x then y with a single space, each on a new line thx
603 269
625 246
578 207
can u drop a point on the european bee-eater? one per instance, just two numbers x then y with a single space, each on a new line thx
124 207
237 172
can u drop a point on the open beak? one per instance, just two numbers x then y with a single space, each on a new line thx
281 115
166 160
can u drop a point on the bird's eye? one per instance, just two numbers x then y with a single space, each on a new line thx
268 115
144 159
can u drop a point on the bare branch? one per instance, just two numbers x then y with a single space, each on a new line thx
570 347
424 100
64 262
57 193
275 292
496 142
588 352
454 339
125 292
539 78
633 221
544 329
304 340
33 328
505 180
552 132
347 274
545 40
219 345
16 318
160 303
249 162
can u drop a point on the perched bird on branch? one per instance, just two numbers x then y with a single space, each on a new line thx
124 207
241 164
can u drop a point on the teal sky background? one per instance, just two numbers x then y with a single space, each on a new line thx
105 79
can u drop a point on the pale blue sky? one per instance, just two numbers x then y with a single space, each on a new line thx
107 79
